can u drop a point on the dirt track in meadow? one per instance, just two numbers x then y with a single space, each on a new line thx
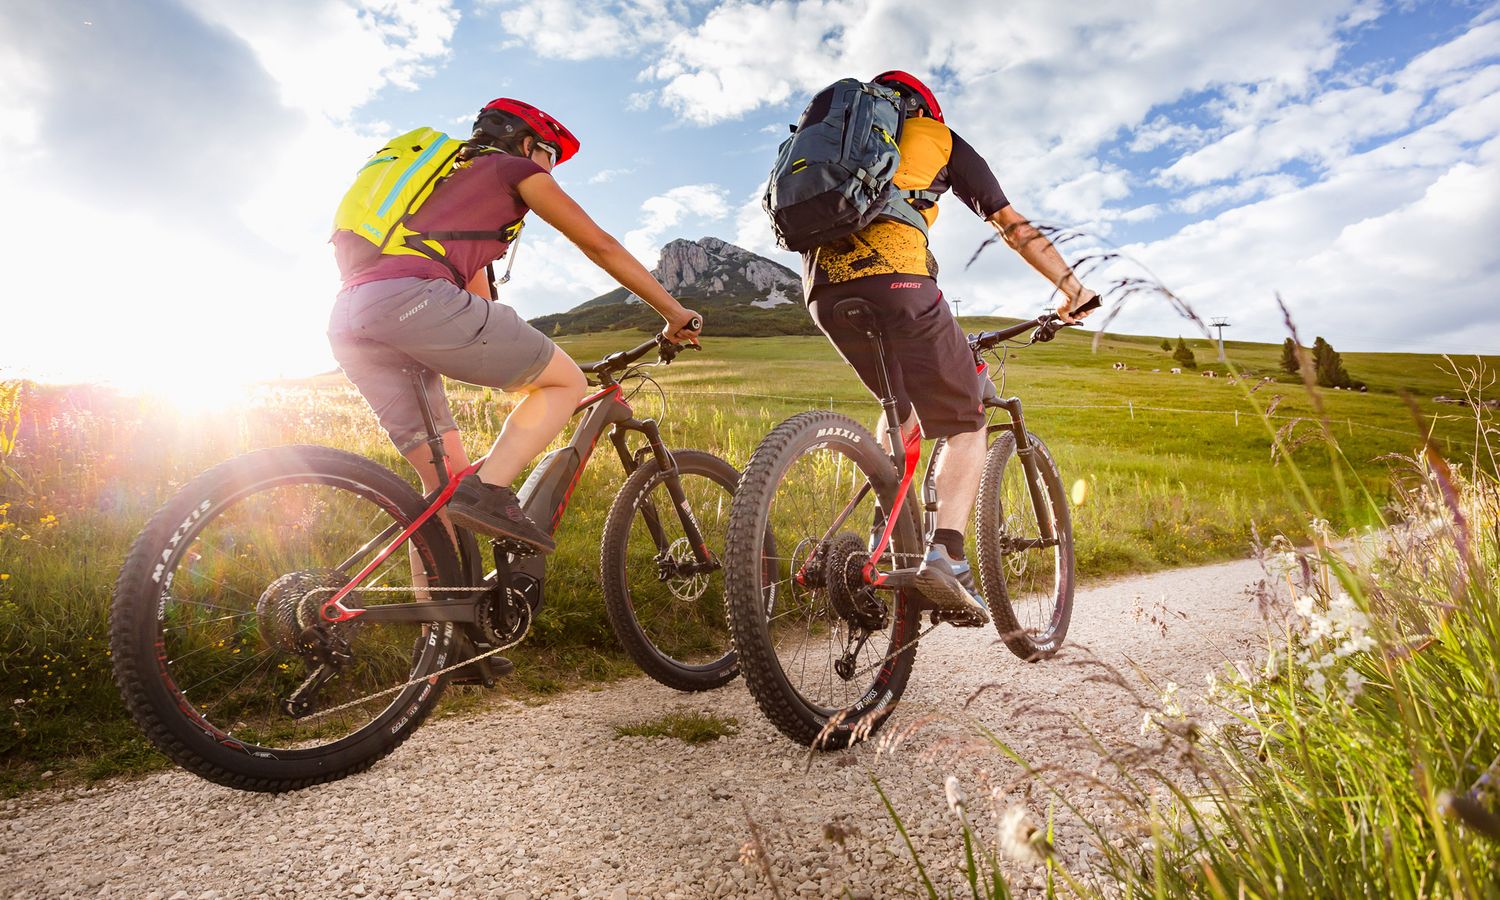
545 801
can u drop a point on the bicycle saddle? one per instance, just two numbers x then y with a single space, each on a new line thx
858 313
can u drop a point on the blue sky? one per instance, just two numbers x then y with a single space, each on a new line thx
171 167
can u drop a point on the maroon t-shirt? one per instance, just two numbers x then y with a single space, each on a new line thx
482 196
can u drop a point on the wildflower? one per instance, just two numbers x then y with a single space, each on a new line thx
1169 704
4 576
1354 683
1018 838
955 793
1211 681
1317 682
1148 723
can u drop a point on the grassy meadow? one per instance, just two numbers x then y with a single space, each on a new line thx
1165 470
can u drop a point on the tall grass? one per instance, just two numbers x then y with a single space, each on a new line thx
1359 758
83 468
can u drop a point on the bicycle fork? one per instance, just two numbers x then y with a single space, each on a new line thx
1027 454
704 559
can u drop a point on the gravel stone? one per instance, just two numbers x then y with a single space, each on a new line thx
523 801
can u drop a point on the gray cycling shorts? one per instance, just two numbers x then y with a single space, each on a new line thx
383 331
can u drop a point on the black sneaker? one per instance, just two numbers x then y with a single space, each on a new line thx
949 585
483 671
495 511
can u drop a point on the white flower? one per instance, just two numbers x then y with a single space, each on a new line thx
1354 683
955 793
1018 838
1211 681
1148 723
1317 683
1169 703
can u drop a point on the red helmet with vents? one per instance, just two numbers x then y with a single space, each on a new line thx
911 86
547 128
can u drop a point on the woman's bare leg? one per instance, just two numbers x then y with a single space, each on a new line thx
548 405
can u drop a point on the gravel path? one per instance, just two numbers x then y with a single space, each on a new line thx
546 802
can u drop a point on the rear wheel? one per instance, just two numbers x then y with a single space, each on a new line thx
825 657
666 608
1029 587
219 651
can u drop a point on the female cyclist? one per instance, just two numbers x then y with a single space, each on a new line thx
397 313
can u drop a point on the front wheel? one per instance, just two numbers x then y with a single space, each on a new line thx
664 604
219 651
1026 579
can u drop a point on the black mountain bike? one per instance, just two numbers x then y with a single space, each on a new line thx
827 631
268 635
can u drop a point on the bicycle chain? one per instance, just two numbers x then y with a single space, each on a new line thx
438 674
896 652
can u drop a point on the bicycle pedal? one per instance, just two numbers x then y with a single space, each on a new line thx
959 619
516 549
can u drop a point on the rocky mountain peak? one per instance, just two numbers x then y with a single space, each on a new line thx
711 267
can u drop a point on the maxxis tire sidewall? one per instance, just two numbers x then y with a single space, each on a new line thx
612 570
133 625
775 695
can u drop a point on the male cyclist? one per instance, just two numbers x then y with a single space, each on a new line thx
931 366
402 312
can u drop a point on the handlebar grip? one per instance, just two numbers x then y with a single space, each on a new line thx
695 323
1093 304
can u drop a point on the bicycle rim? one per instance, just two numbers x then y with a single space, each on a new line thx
676 627
240 580
1033 585
825 669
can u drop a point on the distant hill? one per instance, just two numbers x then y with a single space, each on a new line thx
740 294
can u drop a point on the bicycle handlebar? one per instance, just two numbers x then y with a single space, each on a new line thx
1046 325
621 360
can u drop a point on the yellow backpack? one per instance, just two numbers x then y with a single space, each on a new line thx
394 183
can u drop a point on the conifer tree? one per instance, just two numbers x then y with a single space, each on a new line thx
1289 356
1328 365
1183 355
1166 345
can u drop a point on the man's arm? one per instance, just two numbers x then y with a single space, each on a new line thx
1025 239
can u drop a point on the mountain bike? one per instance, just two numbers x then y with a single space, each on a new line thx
268 635
827 633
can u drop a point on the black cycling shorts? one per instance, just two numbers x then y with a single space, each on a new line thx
931 365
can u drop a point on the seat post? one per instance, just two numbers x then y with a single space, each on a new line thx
434 440
859 314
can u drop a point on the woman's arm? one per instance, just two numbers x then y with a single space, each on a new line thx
544 196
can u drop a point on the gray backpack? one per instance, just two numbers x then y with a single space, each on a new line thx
833 176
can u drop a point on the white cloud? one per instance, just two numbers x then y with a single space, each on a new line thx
604 176
550 274
227 150
331 57
705 203
588 29
1235 192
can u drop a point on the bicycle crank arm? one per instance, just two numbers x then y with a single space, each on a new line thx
423 611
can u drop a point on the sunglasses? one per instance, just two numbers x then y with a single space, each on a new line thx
551 151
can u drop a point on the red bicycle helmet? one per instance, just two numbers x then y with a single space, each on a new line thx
547 128
910 85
